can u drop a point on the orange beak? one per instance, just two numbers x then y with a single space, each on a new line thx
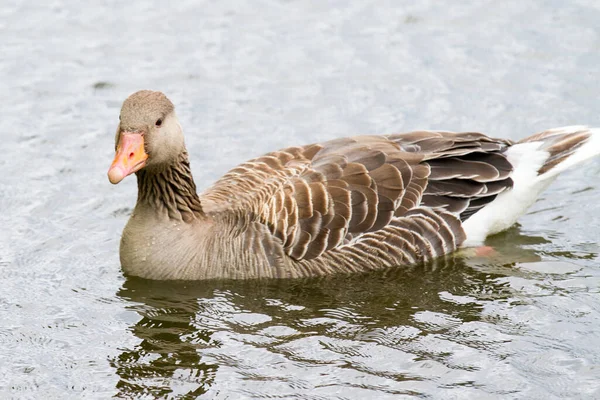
130 156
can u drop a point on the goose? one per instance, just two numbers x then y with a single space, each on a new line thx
352 204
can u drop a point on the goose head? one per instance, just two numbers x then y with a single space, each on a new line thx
148 135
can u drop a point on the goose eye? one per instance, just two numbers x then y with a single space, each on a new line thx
159 122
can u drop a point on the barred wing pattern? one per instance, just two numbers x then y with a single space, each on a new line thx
468 170
400 196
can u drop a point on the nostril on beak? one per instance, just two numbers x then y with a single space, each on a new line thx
130 155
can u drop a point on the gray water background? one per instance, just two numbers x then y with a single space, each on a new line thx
248 77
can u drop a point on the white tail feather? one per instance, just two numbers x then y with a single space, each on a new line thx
527 158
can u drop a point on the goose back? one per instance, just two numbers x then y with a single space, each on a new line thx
406 191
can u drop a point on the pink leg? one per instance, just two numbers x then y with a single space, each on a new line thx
485 251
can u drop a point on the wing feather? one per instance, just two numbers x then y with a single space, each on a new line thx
321 198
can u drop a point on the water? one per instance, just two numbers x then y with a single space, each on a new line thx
249 77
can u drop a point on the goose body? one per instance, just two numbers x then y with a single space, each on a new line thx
346 205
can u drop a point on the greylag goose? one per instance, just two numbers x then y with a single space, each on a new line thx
346 205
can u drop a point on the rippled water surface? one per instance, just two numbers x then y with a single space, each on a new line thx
252 76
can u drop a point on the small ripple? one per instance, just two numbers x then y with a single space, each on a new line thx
122 212
280 331
434 321
460 300
250 319
391 336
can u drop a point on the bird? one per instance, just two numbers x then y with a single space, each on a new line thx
347 205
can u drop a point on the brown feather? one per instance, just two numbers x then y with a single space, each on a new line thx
323 197
450 168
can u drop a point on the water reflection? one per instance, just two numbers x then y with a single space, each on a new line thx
188 331
166 360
